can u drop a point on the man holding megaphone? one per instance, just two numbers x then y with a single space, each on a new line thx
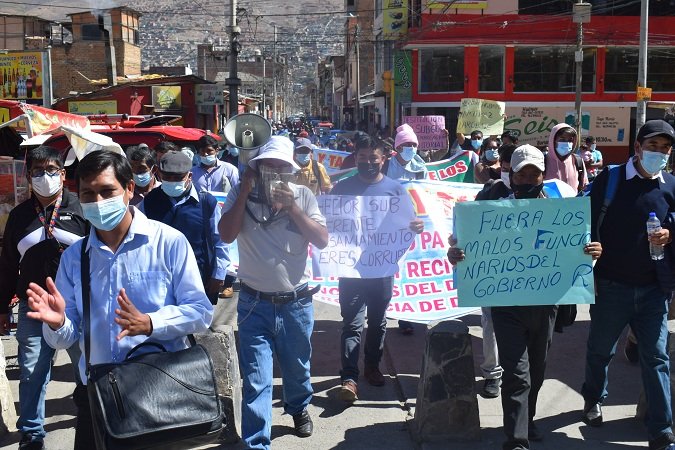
273 220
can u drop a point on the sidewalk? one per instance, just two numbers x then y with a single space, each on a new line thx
381 417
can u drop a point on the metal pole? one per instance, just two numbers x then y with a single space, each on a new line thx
233 81
641 115
274 76
358 80
579 59
264 112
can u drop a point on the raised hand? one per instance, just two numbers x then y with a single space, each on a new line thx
131 320
47 306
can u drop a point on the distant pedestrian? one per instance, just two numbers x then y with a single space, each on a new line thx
144 167
211 174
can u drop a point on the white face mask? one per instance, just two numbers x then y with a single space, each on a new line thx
47 185
506 179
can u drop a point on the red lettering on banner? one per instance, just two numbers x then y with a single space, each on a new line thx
395 291
322 157
400 307
439 304
335 161
449 284
428 268
420 210
427 237
432 175
453 301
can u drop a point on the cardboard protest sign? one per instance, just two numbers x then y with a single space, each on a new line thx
367 236
524 252
429 130
331 159
423 287
486 116
458 169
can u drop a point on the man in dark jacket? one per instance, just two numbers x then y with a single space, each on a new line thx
37 232
633 288
178 204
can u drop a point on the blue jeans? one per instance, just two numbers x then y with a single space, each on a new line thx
355 295
265 330
645 309
35 364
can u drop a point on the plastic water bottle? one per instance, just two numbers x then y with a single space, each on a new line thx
653 225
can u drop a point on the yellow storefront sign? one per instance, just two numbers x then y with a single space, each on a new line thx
644 93
166 98
395 20
457 4
85 108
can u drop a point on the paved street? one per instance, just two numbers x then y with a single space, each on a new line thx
380 419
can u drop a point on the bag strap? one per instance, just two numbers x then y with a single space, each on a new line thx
85 279
317 174
613 173
579 163
208 243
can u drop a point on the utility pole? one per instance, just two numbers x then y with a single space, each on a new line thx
264 111
641 115
274 76
233 82
582 14
358 79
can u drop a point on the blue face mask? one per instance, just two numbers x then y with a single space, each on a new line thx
173 188
302 158
408 153
492 155
564 148
142 179
653 162
106 214
476 143
234 151
208 160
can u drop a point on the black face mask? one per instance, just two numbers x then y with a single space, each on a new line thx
368 170
526 190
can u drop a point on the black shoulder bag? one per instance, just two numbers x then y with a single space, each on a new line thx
161 400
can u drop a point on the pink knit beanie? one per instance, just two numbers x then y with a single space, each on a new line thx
404 134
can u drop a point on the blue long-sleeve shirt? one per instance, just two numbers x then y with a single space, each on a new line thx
158 270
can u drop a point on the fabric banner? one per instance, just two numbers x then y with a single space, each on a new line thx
423 287
484 115
430 131
457 170
524 252
331 159
367 236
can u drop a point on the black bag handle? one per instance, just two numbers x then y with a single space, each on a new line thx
145 344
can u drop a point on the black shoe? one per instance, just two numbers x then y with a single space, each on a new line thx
592 414
664 442
533 433
630 350
303 424
492 387
28 444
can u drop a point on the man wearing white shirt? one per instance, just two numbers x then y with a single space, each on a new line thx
145 284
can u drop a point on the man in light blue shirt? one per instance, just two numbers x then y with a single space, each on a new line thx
145 284
212 174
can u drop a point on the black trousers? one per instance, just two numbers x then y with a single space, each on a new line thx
84 430
523 335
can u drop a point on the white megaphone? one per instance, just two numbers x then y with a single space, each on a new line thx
248 132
